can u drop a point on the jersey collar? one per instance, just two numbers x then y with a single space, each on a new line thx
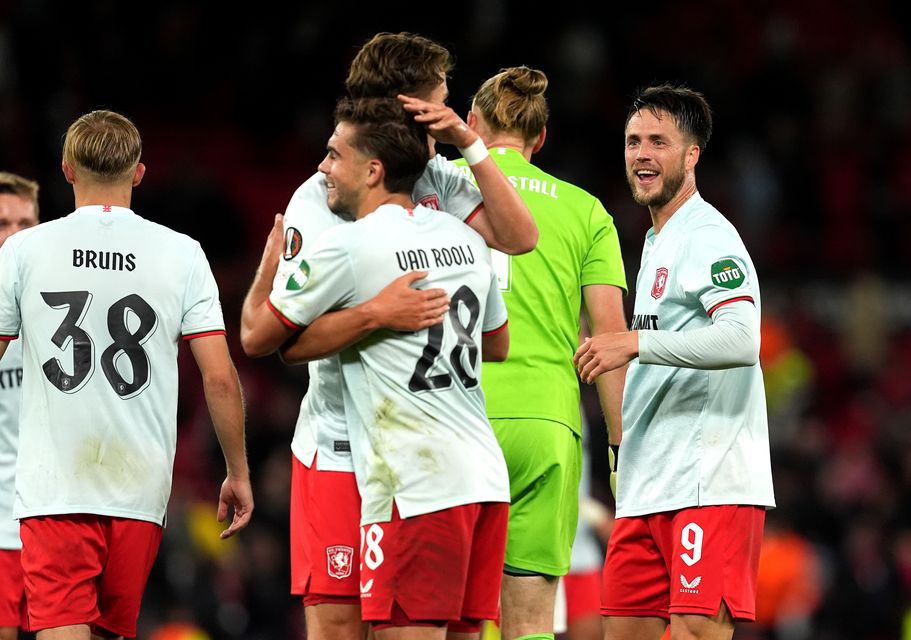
680 216
102 210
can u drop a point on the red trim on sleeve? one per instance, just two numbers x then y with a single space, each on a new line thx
9 338
285 321
721 304
474 213
495 331
202 334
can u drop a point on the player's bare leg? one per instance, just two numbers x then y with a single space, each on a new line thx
335 622
454 635
696 627
633 628
527 604
585 628
69 632
9 633
411 633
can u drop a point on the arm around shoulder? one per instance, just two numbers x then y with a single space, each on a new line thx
261 331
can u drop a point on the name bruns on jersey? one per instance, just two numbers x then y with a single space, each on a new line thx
106 260
417 259
11 378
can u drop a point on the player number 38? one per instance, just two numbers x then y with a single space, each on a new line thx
127 339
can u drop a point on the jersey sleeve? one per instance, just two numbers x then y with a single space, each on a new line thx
495 310
202 315
323 281
10 290
716 269
307 217
603 263
458 195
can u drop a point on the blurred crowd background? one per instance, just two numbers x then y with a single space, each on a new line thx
811 160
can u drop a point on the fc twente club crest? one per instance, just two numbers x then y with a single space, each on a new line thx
660 282
339 559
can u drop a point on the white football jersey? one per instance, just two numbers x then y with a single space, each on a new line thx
10 390
103 298
414 405
692 437
321 421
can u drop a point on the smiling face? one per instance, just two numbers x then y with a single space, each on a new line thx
346 171
659 158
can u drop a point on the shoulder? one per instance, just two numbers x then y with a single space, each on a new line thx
439 167
313 188
706 219
452 226
17 240
174 238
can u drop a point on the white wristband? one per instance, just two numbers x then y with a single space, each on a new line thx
475 152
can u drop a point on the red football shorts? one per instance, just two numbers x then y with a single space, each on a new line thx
434 568
87 569
325 515
12 589
684 562
583 594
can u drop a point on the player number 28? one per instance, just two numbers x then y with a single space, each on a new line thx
421 379
126 342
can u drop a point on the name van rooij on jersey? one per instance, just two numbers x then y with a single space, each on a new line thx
417 259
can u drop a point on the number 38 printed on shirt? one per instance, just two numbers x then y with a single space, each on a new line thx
127 340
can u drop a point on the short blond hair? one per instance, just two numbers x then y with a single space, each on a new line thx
19 186
103 143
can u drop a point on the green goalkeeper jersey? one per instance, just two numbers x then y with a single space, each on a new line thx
577 247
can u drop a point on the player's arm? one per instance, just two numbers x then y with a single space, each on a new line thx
261 331
495 345
225 401
504 220
398 306
732 340
3 344
603 305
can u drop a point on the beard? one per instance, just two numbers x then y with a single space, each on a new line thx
670 186
340 207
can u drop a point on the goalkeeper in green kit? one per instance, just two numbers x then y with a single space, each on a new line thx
533 397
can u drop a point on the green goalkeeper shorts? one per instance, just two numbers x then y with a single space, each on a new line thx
544 459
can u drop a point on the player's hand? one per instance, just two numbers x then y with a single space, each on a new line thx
401 307
441 121
605 352
237 493
272 252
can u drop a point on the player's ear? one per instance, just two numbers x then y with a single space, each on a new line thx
375 173
68 172
692 156
138 174
540 141
471 120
